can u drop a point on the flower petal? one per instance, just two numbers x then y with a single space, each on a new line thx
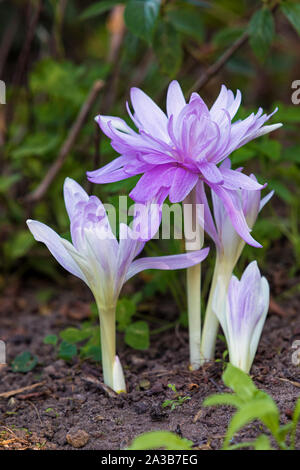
43 233
175 99
150 117
73 193
167 262
211 172
113 171
182 185
232 203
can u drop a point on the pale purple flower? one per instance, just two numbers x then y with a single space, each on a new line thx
95 255
103 262
177 150
218 225
243 314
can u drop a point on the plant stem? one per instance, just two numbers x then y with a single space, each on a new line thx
223 271
112 370
192 227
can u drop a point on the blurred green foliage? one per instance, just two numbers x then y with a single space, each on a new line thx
141 43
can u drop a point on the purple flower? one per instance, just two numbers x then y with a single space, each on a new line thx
175 152
103 262
243 314
218 224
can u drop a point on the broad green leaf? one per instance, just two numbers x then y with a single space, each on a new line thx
141 16
292 11
227 36
187 22
126 308
167 47
239 382
281 190
98 8
242 155
263 409
67 350
261 31
74 335
50 339
223 399
24 362
160 440
137 335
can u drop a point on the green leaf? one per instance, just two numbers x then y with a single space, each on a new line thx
160 440
187 22
239 382
269 147
50 339
292 12
167 47
7 181
264 409
223 399
98 8
140 17
281 190
24 362
262 443
137 335
67 350
295 420
74 335
126 308
19 244
261 31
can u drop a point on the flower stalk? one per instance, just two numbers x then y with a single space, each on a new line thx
193 241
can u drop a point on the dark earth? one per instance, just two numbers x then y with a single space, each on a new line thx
70 408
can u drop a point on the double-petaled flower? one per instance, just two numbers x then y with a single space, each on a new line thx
103 262
178 150
243 314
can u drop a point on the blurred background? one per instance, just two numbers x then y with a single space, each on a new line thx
64 61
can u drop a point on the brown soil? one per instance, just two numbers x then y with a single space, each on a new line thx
71 396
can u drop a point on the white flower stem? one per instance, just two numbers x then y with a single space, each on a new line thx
112 370
223 269
193 241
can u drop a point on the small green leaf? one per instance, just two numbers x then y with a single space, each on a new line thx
261 30
292 11
188 22
67 351
50 339
223 399
74 335
160 439
239 382
24 362
255 409
167 47
137 335
126 308
98 8
140 17
262 443
295 419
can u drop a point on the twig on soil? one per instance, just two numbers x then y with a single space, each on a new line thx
92 380
37 411
292 382
275 308
39 192
11 393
